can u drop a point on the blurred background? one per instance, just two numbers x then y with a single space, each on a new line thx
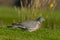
21 10
39 3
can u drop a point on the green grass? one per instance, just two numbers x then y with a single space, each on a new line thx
18 34
8 15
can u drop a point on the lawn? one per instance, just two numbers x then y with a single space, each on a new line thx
9 15
18 34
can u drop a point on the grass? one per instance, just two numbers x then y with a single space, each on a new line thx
8 15
17 34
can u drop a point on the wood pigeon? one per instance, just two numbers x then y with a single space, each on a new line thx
29 24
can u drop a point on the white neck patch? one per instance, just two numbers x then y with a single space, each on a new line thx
38 22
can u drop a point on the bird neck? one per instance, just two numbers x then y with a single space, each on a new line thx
39 22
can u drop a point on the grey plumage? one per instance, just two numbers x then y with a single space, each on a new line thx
29 24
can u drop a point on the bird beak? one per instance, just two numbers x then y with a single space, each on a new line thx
44 19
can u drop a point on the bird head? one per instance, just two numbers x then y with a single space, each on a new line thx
40 19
